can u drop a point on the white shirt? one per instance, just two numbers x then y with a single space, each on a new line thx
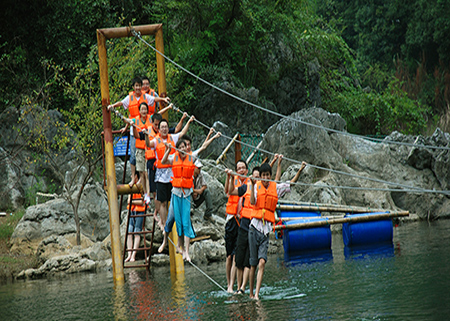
164 175
263 227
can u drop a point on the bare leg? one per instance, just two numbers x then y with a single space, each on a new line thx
261 265
163 215
187 242
233 275
245 278
180 246
129 247
239 273
137 240
252 280
229 265
133 175
163 245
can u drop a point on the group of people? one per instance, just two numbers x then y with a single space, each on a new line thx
162 161
250 211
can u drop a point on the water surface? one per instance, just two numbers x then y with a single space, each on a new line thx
406 280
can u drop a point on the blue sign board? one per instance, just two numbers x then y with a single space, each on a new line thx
120 146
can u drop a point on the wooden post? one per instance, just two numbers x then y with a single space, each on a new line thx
237 149
160 66
227 148
111 185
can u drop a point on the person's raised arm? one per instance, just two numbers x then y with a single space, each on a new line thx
165 159
232 190
115 105
272 162
186 127
252 191
297 175
278 174
162 111
208 141
180 123
227 181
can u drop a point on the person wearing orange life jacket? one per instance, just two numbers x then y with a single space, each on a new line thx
264 198
232 221
131 103
242 250
135 224
152 109
182 181
141 123
163 173
171 217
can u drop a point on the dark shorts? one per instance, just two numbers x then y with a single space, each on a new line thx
163 191
151 174
242 250
258 244
231 234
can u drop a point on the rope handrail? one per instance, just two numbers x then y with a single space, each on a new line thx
138 35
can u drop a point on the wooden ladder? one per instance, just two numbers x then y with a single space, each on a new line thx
143 233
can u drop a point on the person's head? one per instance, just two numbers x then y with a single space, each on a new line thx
163 128
188 141
156 118
255 172
137 85
145 84
265 172
143 109
181 146
242 168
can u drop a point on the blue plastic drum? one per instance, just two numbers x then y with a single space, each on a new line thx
364 233
301 240
294 213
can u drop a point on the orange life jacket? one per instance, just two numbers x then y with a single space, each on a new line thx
183 171
133 106
137 208
247 207
151 108
233 200
266 202
161 149
150 153
140 143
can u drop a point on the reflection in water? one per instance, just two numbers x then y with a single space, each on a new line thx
120 302
405 281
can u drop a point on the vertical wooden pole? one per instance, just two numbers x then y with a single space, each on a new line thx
111 185
176 260
160 66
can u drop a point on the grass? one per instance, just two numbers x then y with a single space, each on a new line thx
12 264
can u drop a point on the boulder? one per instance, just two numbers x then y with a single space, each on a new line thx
55 218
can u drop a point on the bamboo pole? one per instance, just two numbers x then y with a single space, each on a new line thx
111 184
348 219
328 208
254 152
226 148
123 32
125 189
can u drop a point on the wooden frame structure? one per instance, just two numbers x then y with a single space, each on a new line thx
111 184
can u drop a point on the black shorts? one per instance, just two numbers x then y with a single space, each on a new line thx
231 234
242 250
163 191
151 170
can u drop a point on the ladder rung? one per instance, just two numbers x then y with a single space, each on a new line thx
136 266
142 232
138 249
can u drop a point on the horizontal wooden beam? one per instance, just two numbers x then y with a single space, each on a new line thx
122 32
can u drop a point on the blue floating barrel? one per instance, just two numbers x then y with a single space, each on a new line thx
363 233
293 213
306 239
